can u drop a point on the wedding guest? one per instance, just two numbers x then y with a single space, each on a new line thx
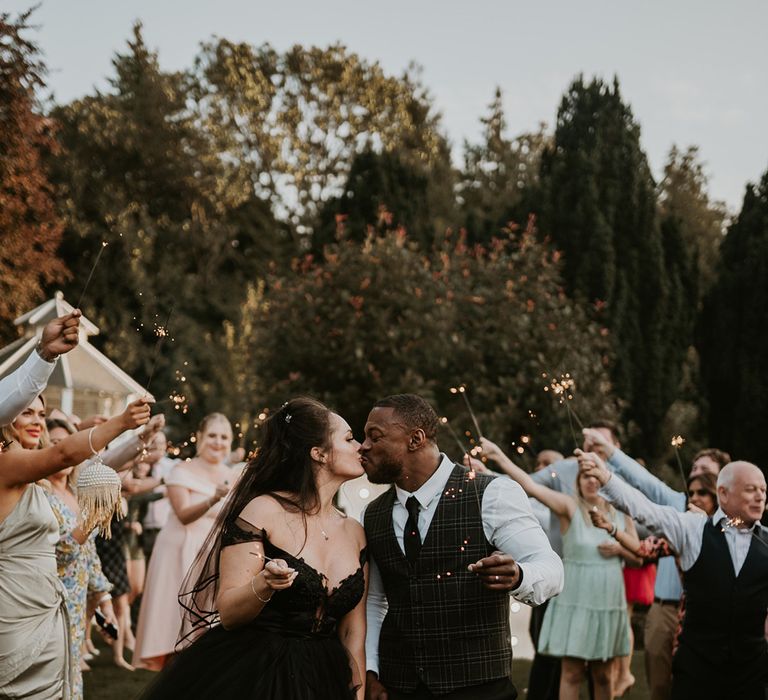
19 389
35 654
195 489
448 548
138 485
544 676
157 510
722 650
661 621
587 625
77 569
277 608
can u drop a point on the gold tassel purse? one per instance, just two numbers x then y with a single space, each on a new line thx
98 493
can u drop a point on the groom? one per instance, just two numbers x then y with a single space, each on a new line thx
448 547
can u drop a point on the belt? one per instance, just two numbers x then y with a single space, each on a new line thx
661 601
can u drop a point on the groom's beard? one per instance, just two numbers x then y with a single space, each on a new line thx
385 471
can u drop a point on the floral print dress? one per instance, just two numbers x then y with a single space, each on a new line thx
80 571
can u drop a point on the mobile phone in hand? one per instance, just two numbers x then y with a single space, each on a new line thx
108 627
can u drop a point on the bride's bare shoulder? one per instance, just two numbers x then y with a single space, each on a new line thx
263 509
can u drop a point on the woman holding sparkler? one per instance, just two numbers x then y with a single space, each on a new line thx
35 658
195 490
276 603
587 624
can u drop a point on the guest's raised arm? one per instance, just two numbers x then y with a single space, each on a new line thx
666 521
559 503
20 388
19 466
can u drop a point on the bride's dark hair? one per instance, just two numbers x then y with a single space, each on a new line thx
282 468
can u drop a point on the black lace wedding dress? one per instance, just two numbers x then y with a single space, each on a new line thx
291 651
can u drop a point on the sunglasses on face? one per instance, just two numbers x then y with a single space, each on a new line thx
698 492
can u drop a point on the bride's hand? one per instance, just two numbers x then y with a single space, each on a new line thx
278 575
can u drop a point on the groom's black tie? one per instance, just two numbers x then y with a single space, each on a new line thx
411 538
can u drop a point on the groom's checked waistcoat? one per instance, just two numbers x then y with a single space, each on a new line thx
442 627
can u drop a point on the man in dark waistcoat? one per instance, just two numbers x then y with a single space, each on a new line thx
447 546
722 650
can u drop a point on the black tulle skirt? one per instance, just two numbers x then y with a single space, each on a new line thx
251 663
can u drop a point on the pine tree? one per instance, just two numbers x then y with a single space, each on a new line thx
381 193
683 197
498 174
599 206
733 334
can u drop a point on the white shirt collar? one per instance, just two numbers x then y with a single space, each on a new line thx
431 488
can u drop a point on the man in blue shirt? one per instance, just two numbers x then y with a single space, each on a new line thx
661 621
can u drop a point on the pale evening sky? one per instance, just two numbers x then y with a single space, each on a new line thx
694 71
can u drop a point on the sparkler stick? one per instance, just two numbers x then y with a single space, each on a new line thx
462 389
444 422
93 268
162 333
677 443
472 474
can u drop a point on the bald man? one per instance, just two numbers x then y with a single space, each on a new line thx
722 649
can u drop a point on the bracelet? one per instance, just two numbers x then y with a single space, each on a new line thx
104 598
90 443
613 531
253 588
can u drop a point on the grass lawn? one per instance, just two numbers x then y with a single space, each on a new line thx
107 682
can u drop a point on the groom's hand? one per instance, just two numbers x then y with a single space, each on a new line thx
374 689
498 572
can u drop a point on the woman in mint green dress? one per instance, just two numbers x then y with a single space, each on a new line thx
587 625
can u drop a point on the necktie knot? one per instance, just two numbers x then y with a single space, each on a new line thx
412 506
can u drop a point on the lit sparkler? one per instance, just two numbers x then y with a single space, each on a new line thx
563 388
462 389
677 442
93 268
444 422
161 331
738 523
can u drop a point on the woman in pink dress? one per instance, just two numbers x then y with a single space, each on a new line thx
195 489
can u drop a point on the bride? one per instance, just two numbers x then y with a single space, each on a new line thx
276 608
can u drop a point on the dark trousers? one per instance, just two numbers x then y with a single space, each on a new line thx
544 678
695 679
501 689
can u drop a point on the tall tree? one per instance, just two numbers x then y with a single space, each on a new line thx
684 198
143 173
733 333
498 174
381 193
599 206
301 118
30 226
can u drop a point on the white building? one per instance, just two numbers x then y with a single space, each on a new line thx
85 382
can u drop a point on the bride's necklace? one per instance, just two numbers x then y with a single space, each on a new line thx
323 532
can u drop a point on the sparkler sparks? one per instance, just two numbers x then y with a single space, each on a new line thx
564 388
677 442
161 331
739 523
